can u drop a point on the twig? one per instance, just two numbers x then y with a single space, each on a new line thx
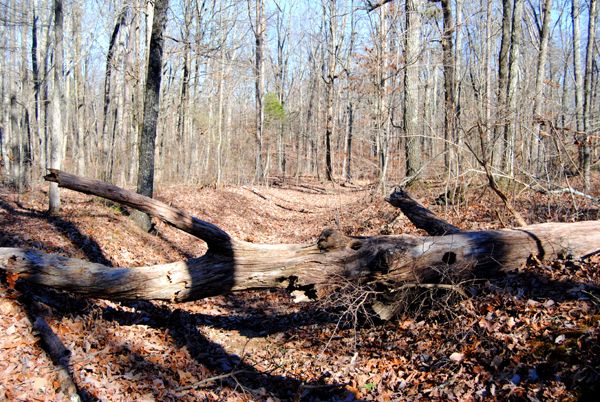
205 381
446 286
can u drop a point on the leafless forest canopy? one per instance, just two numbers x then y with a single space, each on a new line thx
337 89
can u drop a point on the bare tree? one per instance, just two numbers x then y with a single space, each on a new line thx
145 180
330 18
511 127
57 106
259 30
539 81
585 151
411 80
577 70
449 84
503 62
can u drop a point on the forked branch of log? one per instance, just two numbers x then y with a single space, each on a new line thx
232 265
420 216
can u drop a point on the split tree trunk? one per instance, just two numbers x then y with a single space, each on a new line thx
232 265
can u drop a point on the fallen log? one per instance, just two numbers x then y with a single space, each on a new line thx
232 265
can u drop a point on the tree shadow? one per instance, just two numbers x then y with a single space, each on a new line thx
51 343
88 246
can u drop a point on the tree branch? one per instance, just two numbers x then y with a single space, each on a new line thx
420 216
214 236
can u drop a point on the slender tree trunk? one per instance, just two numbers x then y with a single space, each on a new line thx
449 86
587 96
145 181
259 87
35 72
349 133
488 73
57 106
182 107
330 84
411 90
539 83
511 127
382 96
503 61
577 70
25 121
106 139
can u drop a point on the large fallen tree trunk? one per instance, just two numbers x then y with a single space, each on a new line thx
232 265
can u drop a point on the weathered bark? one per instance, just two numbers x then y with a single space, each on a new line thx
411 81
503 58
577 70
145 180
259 29
231 265
585 151
332 53
107 152
56 143
510 129
449 84
536 147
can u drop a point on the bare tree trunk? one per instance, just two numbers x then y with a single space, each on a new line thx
503 61
57 106
79 99
539 83
145 181
587 100
449 86
575 13
382 96
411 92
488 73
511 126
259 28
283 31
332 51
182 107
25 122
349 133
106 139
35 71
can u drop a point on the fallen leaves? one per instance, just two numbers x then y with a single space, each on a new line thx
534 334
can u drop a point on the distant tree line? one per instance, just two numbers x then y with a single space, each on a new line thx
337 89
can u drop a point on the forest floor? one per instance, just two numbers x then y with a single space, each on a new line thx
533 334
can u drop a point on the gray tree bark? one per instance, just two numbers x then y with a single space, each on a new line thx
585 147
537 142
503 61
56 145
145 180
332 51
511 127
259 29
411 91
577 70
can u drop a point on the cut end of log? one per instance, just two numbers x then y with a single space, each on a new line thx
52 176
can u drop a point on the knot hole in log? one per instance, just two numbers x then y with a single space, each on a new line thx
332 239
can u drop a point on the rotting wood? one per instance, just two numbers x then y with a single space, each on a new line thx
233 265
